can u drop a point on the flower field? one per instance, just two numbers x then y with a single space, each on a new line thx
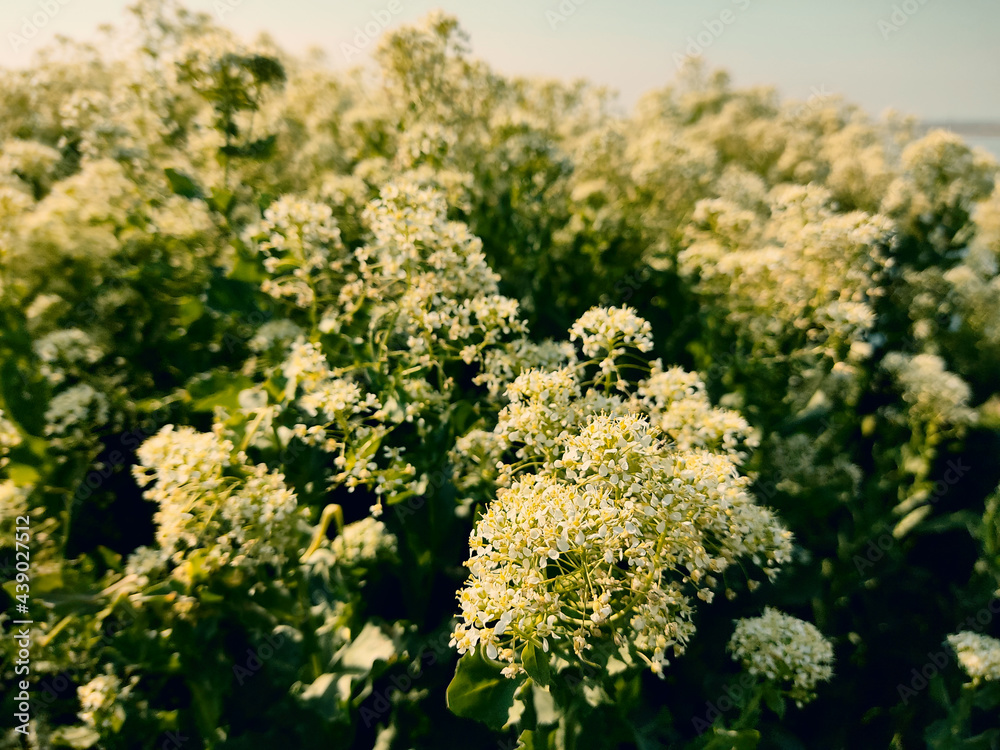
431 407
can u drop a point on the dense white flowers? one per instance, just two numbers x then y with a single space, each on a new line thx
213 507
807 269
101 701
608 524
430 277
363 541
72 410
67 347
343 275
299 239
934 395
978 654
608 330
785 650
678 404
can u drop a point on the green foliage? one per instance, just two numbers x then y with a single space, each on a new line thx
327 287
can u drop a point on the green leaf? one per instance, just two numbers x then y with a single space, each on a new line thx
478 691
324 697
246 269
80 737
939 692
217 389
22 474
546 712
189 311
182 184
543 738
221 200
370 646
536 664
774 700
207 705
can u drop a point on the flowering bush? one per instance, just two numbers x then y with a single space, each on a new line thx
354 413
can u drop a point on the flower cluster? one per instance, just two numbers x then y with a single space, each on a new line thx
784 650
298 239
607 527
934 395
213 506
101 701
74 409
978 654
66 348
429 276
363 542
608 330
679 405
807 269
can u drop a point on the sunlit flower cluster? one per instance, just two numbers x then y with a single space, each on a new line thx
298 238
101 701
808 270
213 506
362 542
430 276
934 395
73 410
678 404
978 654
502 364
607 526
785 650
608 330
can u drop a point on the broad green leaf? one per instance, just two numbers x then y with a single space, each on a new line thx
478 691
221 200
370 646
536 664
182 184
324 697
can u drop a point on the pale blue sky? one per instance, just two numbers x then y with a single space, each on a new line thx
941 62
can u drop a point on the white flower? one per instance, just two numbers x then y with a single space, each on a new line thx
362 542
933 394
75 407
785 650
604 330
633 527
978 654
239 514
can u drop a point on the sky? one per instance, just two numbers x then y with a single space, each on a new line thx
936 59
